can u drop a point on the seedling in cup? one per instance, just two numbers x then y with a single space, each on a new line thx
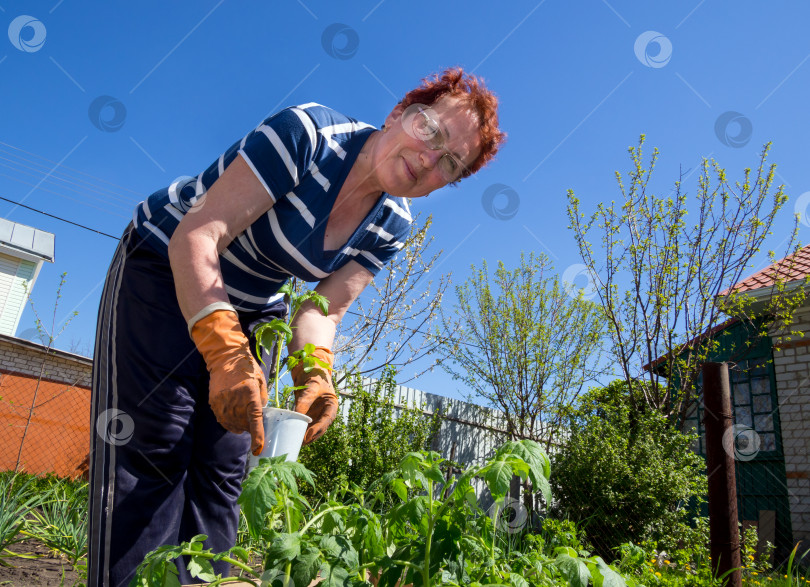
274 335
284 430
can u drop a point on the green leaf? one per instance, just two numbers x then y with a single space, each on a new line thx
265 338
532 453
574 570
289 473
332 521
338 547
498 475
258 496
323 304
411 469
201 568
284 329
373 538
542 484
157 568
287 289
517 580
333 576
285 547
433 473
604 575
565 550
398 486
240 553
415 510
320 301
305 568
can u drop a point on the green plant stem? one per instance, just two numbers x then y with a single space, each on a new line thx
494 527
321 514
227 559
288 566
278 366
406 564
431 524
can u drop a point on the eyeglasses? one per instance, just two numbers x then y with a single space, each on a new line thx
427 130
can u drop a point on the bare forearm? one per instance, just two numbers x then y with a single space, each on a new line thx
312 327
197 276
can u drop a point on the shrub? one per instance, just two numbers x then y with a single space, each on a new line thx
625 475
372 440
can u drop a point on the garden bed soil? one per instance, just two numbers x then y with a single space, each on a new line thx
48 569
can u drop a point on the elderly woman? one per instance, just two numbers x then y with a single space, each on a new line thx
310 193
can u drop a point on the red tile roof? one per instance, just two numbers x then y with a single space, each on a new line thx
792 268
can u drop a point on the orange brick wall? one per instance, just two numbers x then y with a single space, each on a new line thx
55 409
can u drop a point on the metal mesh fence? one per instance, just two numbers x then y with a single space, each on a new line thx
44 426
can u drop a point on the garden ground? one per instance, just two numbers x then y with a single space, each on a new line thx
45 570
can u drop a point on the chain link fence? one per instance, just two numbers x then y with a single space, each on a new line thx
44 409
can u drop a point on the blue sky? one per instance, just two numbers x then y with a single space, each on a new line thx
103 103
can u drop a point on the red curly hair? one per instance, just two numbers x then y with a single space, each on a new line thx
453 82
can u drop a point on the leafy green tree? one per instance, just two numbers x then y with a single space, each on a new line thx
524 342
623 474
662 270
376 434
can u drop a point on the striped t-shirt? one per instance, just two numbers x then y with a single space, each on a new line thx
302 156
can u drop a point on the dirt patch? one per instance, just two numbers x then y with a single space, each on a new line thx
47 569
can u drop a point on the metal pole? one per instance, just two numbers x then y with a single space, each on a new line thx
724 534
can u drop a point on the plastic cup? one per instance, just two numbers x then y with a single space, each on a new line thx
284 432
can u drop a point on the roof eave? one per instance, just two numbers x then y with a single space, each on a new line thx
762 295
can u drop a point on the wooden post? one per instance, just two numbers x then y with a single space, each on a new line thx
724 534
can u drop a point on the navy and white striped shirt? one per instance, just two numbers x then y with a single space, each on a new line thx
302 156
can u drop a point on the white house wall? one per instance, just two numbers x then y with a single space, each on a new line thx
14 273
792 368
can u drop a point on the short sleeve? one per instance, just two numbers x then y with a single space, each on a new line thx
389 233
280 150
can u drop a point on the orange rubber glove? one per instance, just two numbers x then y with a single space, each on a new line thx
318 400
237 390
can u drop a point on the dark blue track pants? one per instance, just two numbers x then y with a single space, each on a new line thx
162 469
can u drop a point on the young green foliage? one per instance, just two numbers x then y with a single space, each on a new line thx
662 270
372 439
434 533
520 340
18 499
623 474
272 336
